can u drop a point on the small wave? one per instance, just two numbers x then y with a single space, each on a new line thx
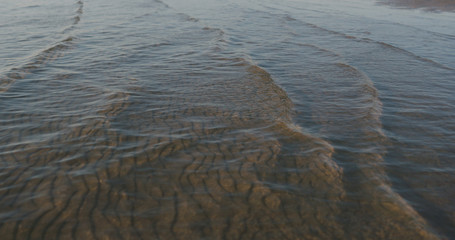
161 44
351 118
328 30
20 73
420 58
33 6
321 49
423 59
218 30
163 3
42 58
289 18
276 97
188 18
272 105
279 107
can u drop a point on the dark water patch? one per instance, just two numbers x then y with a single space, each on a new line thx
432 5
32 6
162 3
188 18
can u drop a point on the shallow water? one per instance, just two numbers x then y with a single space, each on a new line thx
208 119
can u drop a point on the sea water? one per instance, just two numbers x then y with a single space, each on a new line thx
209 119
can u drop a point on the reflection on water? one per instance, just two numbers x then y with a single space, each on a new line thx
176 120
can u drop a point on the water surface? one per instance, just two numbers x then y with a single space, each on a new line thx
208 119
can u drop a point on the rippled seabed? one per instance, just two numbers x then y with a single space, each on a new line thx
225 120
